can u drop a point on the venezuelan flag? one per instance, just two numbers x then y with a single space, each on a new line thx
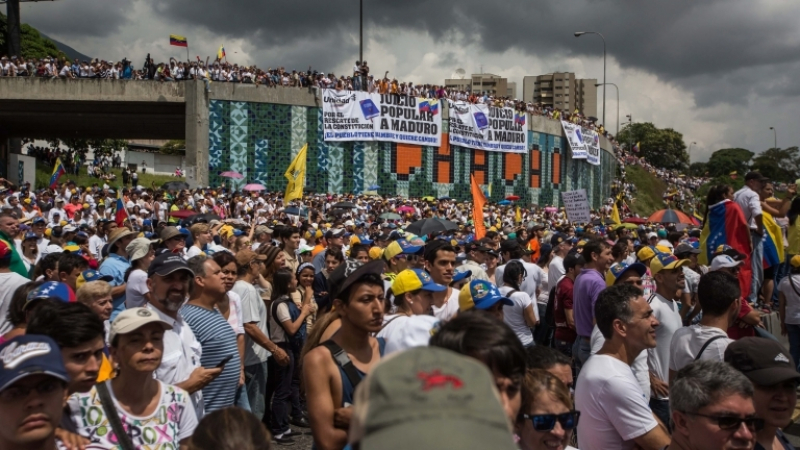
221 52
121 213
58 170
773 242
433 104
178 41
424 106
726 225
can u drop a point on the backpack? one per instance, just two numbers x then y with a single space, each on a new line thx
299 338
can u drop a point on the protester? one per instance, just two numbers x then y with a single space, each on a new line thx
551 360
750 203
440 260
141 254
712 408
789 306
231 309
480 295
773 372
588 285
719 296
522 316
614 410
564 336
230 429
491 342
31 364
330 381
547 418
117 264
152 413
413 324
9 282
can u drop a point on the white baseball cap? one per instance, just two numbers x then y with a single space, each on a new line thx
132 319
724 262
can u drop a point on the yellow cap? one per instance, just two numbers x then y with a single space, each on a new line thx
63 222
411 280
27 201
86 205
377 252
666 261
645 253
48 232
795 261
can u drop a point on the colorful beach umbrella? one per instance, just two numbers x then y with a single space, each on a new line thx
670 216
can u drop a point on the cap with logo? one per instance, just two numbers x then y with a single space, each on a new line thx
167 263
618 270
91 275
666 261
461 273
645 253
683 250
132 319
725 249
558 238
723 262
480 294
411 280
398 247
764 361
50 289
414 398
28 355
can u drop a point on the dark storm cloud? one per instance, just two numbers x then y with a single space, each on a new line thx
98 18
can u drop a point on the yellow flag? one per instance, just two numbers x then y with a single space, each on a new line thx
615 214
296 174
518 216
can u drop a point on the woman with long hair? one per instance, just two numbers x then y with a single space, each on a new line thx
287 331
546 417
491 265
523 314
305 291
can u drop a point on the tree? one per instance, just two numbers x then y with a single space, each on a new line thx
661 148
174 147
32 43
778 164
698 169
727 160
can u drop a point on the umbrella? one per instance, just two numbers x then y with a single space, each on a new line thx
182 214
512 198
550 209
429 198
295 211
504 202
635 220
254 187
405 209
232 174
205 218
444 197
390 216
175 185
429 226
603 222
345 205
670 216
629 226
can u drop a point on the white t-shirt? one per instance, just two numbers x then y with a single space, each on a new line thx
173 420
687 342
514 315
555 271
235 316
449 309
639 366
9 282
136 289
96 244
792 299
669 321
192 251
403 332
612 405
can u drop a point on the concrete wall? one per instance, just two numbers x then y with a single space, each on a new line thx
156 162
21 169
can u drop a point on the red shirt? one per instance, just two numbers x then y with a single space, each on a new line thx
563 300
735 331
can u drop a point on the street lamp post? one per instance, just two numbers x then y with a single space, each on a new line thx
630 133
690 151
361 31
617 88
775 135
581 33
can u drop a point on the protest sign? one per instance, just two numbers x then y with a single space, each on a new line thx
575 139
591 141
576 204
361 116
484 127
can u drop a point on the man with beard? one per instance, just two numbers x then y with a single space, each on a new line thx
168 279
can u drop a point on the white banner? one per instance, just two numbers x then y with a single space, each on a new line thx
576 204
575 139
360 116
485 127
591 141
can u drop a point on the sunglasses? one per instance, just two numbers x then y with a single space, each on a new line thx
733 422
546 422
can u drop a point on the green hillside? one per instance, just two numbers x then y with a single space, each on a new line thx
649 191
34 45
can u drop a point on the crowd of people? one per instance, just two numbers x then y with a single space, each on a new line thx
214 319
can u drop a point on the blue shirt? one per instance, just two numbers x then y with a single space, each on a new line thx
218 340
116 266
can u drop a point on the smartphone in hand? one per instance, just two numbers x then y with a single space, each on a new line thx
224 361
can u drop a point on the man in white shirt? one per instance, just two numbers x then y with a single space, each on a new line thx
57 212
168 279
510 249
668 274
719 296
440 261
561 246
750 203
614 413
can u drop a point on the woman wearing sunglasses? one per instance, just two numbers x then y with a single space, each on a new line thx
546 419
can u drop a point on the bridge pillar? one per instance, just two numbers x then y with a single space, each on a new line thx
196 134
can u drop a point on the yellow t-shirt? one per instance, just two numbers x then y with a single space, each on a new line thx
793 233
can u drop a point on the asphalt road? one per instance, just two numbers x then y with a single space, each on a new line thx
302 441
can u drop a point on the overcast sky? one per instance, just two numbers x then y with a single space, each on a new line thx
719 71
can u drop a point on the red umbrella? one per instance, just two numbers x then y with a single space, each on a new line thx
404 209
670 216
635 220
513 198
182 213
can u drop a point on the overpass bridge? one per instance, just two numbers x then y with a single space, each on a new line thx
257 130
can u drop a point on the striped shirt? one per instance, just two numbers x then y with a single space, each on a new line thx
218 341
